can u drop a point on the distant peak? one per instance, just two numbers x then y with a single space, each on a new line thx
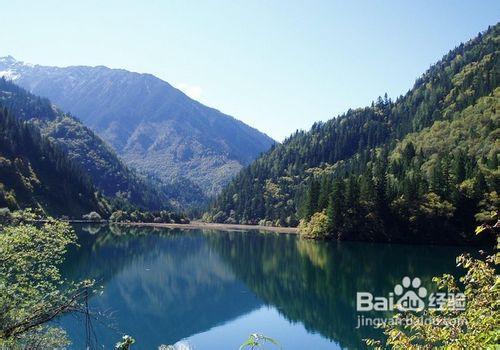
8 58
8 68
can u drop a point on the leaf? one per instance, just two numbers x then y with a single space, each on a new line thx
480 229
255 340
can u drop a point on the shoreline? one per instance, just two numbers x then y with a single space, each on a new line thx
272 229
193 225
211 226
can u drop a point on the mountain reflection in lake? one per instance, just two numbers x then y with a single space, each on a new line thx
211 289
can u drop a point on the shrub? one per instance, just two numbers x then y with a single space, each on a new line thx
5 216
36 292
316 228
92 216
474 327
117 216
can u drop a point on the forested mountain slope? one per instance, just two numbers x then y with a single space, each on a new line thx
388 171
35 173
153 126
83 147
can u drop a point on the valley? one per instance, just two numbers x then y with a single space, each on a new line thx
133 216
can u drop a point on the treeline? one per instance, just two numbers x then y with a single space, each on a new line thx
50 162
35 173
161 216
93 156
435 185
359 150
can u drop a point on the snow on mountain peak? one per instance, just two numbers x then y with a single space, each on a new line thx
10 68
9 74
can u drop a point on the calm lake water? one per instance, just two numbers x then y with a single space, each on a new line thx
211 289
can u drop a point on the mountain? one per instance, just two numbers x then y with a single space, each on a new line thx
414 170
36 173
85 149
154 127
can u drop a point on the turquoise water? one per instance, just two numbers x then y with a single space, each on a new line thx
211 289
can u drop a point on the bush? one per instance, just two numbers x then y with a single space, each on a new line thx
474 327
5 216
92 216
206 217
117 216
316 228
36 292
220 217
158 217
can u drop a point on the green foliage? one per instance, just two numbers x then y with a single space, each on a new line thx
153 126
317 227
256 341
162 216
475 327
5 216
488 208
32 291
83 147
433 206
125 343
413 169
36 173
92 216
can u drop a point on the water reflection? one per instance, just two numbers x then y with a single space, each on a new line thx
315 283
159 285
166 285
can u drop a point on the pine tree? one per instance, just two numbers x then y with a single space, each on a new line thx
336 205
312 198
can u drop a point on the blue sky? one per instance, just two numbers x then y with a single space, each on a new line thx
277 65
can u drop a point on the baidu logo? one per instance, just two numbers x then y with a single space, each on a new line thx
411 294
407 296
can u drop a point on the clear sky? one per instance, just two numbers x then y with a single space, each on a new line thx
277 65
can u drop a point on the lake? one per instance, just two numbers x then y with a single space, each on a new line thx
211 289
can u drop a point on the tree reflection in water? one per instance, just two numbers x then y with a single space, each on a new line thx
164 285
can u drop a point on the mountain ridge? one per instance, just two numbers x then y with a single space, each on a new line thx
359 176
82 146
153 126
36 173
